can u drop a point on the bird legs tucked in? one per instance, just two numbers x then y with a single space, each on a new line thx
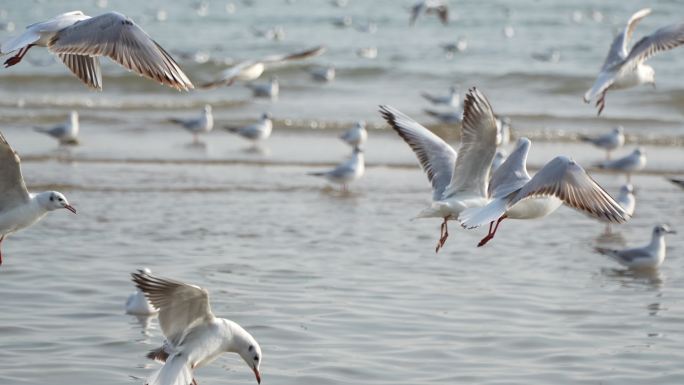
491 233
443 235
17 58
601 103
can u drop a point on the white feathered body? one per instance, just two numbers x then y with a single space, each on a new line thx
22 216
41 33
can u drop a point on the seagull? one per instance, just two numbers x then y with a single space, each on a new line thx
678 181
249 70
609 142
647 257
449 117
625 68
357 135
635 161
194 336
323 74
457 182
138 304
626 198
198 125
516 195
260 130
450 49
66 133
429 7
503 130
265 90
347 171
79 40
452 99
18 207
499 158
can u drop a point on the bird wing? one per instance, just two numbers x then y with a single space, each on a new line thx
311 52
228 76
663 39
618 164
13 190
56 131
436 157
86 68
604 80
116 36
512 174
567 181
478 146
181 306
416 10
443 13
618 49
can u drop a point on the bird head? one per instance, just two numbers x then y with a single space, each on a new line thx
250 351
663 229
53 200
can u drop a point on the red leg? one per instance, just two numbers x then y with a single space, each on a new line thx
491 234
601 103
1 239
443 235
194 382
17 58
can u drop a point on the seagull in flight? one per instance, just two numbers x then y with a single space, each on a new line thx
194 335
79 40
19 208
249 70
625 68
438 7
458 182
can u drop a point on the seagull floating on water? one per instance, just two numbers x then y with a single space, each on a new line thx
269 90
452 99
137 303
516 195
19 208
636 161
647 257
323 74
357 135
347 171
66 133
260 130
626 198
458 182
249 70
609 142
625 68
194 335
199 125
79 40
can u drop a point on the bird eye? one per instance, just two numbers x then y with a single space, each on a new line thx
60 199
251 347
256 358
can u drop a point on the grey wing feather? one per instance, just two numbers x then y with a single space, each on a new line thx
435 156
664 39
512 174
618 49
567 180
86 68
471 171
56 131
13 190
117 37
311 52
181 306
618 164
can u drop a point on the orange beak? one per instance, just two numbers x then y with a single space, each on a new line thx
256 373
70 208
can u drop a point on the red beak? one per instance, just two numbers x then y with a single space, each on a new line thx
256 373
70 208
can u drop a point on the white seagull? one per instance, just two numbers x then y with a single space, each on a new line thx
249 70
347 171
194 336
647 257
458 182
79 40
609 141
452 99
626 198
198 125
516 195
357 135
625 68
258 131
636 161
265 90
66 133
137 303
438 7
323 74
498 160
19 208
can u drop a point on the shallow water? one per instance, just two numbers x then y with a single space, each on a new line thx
340 288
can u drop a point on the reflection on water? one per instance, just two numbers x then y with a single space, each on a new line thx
650 278
611 237
257 149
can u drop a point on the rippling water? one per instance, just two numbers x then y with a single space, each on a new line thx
340 288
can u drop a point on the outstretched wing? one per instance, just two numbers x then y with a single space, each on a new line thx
13 190
311 52
664 39
512 174
567 181
181 306
86 68
436 157
119 38
618 49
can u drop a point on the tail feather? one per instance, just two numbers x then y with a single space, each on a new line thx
606 251
175 371
158 355
177 121
479 216
316 173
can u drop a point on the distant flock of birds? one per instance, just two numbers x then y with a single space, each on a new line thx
462 188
